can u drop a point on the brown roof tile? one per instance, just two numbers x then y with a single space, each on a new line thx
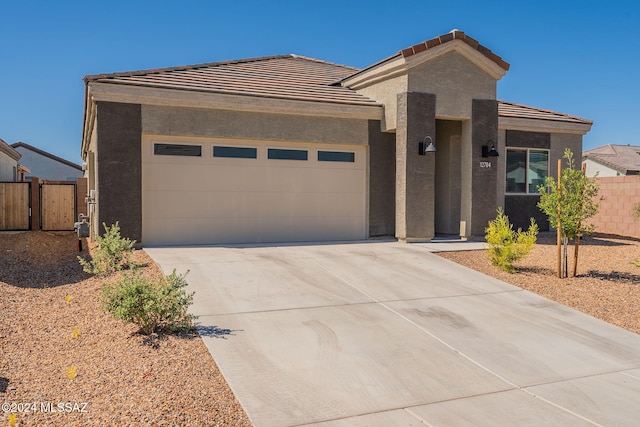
286 77
510 109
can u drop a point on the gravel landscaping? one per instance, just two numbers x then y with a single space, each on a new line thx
52 324
60 347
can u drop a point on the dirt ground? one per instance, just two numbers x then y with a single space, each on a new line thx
52 326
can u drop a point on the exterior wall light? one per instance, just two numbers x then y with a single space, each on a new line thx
489 152
424 148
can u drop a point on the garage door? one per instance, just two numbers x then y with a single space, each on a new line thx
210 192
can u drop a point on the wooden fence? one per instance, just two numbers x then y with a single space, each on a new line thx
14 205
41 205
57 206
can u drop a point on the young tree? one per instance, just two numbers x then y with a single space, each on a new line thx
578 202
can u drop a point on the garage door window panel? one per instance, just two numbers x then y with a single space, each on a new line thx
235 152
336 156
283 154
177 150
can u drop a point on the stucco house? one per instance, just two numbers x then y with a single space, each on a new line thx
289 148
8 163
612 160
45 165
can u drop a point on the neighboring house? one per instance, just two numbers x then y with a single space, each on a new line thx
612 160
289 148
45 165
9 168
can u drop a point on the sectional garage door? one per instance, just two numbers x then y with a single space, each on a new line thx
221 191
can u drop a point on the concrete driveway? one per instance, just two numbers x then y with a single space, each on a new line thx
389 334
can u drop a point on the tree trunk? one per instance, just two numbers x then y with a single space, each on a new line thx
575 257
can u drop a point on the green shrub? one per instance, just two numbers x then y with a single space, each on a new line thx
151 305
112 253
506 246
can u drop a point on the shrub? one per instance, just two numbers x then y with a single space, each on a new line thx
506 246
113 252
151 305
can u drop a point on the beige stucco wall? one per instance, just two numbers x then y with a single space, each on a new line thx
455 81
7 164
386 92
270 127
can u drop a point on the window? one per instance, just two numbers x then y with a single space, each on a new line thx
336 156
177 150
235 152
526 169
278 154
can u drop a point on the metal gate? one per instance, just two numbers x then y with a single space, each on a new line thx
57 206
14 206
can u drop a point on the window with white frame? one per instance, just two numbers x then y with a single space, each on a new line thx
526 169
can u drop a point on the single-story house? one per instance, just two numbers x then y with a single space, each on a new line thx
8 163
612 160
45 165
289 148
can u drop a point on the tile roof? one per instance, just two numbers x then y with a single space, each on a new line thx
286 76
520 111
46 154
454 35
623 158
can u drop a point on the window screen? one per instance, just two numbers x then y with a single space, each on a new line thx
177 150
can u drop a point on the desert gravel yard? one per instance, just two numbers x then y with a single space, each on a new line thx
51 325
52 329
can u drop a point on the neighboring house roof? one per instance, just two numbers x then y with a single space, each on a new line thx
286 76
510 109
623 158
46 154
9 150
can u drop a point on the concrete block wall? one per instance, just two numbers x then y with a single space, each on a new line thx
621 194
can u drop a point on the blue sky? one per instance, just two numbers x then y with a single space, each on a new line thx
576 57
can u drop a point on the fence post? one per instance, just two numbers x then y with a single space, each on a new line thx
35 204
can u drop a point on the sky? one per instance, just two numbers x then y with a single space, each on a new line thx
577 57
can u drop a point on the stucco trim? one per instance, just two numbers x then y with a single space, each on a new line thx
180 98
9 151
536 125
399 65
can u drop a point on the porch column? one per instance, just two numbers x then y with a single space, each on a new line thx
415 174
484 170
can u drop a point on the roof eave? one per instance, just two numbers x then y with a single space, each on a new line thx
543 125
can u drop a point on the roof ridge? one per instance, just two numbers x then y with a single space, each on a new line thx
46 154
451 36
322 61
208 65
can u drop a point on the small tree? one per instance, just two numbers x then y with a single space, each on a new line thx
578 202
506 245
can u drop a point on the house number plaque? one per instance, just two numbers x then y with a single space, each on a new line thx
485 164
